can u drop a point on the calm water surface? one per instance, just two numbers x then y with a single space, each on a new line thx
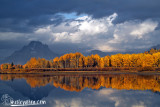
109 90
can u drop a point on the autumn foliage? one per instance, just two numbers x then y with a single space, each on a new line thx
142 61
77 60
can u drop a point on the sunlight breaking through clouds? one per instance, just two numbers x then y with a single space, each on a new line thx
101 33
79 30
130 26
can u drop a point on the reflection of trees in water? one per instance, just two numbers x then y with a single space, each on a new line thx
79 82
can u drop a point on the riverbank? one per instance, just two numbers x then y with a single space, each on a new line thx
95 70
83 72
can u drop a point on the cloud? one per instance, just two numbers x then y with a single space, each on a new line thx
86 32
102 33
133 34
105 92
25 16
105 25
144 28
122 98
102 98
72 103
81 30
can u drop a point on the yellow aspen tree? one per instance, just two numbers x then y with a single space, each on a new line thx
55 62
127 60
81 62
156 58
86 61
140 60
101 63
148 60
106 60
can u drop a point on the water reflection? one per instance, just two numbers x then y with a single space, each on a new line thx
79 82
121 90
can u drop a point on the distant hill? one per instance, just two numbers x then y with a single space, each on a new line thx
102 54
23 90
156 47
33 49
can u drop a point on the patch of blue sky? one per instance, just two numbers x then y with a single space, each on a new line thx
72 15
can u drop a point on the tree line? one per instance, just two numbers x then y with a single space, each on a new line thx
77 60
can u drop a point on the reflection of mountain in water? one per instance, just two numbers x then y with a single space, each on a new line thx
79 82
24 89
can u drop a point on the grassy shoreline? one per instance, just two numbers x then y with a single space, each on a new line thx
96 70
80 72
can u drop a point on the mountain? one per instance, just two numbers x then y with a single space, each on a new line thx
156 47
33 49
102 54
19 88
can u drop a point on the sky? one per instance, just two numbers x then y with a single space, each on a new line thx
79 25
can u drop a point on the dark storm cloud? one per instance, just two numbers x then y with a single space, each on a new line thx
27 25
20 19
26 15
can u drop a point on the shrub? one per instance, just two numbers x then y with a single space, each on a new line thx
147 68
